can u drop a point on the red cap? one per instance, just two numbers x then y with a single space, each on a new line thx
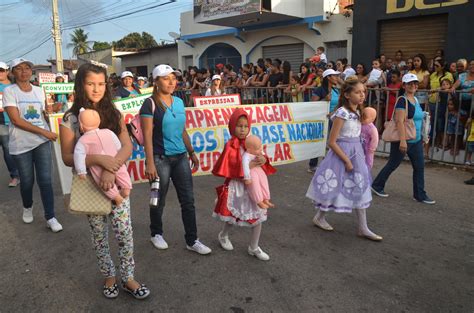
220 65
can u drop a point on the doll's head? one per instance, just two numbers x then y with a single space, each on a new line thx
253 144
368 115
89 119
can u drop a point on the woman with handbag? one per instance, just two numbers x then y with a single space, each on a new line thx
405 140
167 145
92 92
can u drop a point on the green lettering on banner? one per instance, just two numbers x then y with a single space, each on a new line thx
55 88
131 103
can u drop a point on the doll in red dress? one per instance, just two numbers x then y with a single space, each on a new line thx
234 205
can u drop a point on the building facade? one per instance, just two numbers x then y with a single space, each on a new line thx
413 26
143 61
221 32
109 57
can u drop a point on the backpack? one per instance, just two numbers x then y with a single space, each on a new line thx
134 127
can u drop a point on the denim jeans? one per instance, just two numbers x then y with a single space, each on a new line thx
177 168
415 154
11 166
38 160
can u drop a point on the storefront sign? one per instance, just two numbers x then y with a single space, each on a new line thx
393 7
289 132
233 99
217 9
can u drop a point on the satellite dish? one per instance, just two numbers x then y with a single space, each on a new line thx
173 35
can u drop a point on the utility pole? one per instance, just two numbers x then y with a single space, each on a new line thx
57 38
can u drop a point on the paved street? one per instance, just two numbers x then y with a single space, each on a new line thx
424 264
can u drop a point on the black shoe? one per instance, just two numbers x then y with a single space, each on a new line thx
379 193
469 181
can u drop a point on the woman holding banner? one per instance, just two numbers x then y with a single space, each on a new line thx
92 92
167 144
30 141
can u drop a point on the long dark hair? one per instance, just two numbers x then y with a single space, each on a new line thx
109 115
346 88
424 65
443 67
304 77
286 72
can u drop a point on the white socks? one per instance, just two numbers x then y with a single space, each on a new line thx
321 217
362 219
256 230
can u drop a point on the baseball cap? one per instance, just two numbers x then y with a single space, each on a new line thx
59 75
220 65
141 78
330 72
349 72
216 77
126 74
4 65
409 77
163 70
18 61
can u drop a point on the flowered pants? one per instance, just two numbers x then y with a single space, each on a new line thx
122 226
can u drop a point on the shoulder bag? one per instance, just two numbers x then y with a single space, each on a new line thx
87 198
390 133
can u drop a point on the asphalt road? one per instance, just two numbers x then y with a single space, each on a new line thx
424 264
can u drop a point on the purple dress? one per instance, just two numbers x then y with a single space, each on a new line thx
332 187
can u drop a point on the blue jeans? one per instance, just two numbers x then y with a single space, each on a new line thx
39 160
415 154
176 168
6 152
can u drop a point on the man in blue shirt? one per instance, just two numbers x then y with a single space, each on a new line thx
4 122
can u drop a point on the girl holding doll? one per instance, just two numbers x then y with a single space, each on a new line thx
234 205
342 181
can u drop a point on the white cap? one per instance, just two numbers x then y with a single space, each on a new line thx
409 77
126 74
18 61
164 70
216 77
59 75
4 65
141 78
349 72
330 72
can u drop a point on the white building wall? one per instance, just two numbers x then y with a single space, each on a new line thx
335 29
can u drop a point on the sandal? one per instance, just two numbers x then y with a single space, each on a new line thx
140 293
111 292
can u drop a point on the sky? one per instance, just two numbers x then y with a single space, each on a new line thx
25 24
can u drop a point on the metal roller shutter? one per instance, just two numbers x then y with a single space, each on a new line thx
293 53
423 34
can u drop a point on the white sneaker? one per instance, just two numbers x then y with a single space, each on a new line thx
199 247
259 254
225 242
159 242
28 215
54 225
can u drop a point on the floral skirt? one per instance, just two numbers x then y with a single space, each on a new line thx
333 188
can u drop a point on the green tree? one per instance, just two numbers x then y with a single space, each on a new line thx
101 45
79 44
136 40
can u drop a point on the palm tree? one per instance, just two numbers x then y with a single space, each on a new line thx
79 44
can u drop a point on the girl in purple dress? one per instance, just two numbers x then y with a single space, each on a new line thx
342 181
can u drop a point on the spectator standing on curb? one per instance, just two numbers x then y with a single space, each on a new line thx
4 122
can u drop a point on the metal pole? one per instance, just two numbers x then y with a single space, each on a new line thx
57 38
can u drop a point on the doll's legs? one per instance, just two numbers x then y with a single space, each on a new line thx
112 193
122 179
258 190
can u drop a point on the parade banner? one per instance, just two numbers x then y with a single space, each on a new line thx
131 104
49 78
233 99
146 90
289 132
55 88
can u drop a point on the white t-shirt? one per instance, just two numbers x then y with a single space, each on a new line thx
323 58
30 107
217 93
375 75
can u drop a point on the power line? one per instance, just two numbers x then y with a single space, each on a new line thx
33 49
